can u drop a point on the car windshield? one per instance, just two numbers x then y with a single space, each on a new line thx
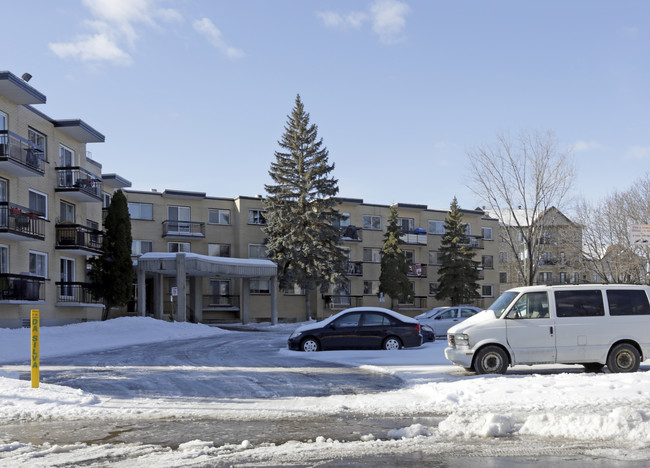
501 304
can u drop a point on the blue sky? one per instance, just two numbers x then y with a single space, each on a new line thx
194 94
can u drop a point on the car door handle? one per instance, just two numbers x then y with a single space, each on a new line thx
551 331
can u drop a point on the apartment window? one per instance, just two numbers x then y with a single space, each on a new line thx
38 264
503 257
38 203
503 277
66 212
178 246
260 286
39 140
66 156
341 293
487 290
4 197
139 247
372 222
4 259
178 218
576 278
486 232
545 277
344 220
217 216
563 278
372 255
406 224
562 258
433 288
436 227
468 229
294 290
256 217
435 257
409 255
67 276
106 199
257 251
3 121
371 288
141 211
219 250
487 262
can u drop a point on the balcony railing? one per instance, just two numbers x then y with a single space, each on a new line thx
215 301
342 301
23 288
19 156
414 236
75 292
174 228
417 270
417 302
20 222
474 242
78 237
351 233
78 183
354 269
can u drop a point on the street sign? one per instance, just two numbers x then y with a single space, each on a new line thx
640 234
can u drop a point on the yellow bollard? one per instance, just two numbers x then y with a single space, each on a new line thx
35 348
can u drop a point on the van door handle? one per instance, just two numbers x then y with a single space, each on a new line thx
551 330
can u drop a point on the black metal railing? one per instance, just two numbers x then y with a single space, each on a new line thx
354 268
218 300
76 178
21 220
416 302
351 233
183 228
417 270
342 301
14 147
21 287
71 291
70 236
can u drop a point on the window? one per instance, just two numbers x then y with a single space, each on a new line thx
260 286
371 288
220 292
4 259
4 197
409 255
579 303
348 320
545 277
433 288
371 254
106 199
374 319
487 291
256 217
486 233
219 250
139 247
372 222
406 224
436 227
533 305
435 257
66 212
217 216
503 277
39 140
67 276
628 302
38 264
141 211
178 246
294 290
487 261
341 293
468 229
503 257
38 203
66 156
257 251
563 278
343 221
178 218
576 278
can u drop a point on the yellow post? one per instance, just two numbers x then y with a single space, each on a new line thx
35 349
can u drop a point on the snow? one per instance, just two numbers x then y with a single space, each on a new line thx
553 402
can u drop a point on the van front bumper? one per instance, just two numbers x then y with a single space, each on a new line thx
460 357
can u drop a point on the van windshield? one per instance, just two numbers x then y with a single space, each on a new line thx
503 301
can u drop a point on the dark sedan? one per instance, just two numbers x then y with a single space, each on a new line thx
358 328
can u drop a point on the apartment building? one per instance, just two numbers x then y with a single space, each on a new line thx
174 221
51 198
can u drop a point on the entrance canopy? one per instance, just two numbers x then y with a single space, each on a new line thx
205 265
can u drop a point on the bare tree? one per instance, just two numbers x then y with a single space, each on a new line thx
520 179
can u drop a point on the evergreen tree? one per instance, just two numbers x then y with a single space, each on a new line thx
458 271
111 273
301 209
393 279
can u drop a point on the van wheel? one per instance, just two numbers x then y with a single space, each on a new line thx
593 366
491 360
623 358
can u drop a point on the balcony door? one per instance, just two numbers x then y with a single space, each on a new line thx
67 277
4 198
66 159
220 292
179 218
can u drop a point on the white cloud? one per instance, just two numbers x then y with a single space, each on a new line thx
97 48
638 152
206 28
580 146
332 19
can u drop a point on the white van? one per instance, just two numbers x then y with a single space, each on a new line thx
592 325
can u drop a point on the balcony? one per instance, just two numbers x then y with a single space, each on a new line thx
342 301
220 302
417 302
351 233
80 240
73 294
354 269
183 229
19 156
20 223
418 270
474 242
78 184
21 289
414 237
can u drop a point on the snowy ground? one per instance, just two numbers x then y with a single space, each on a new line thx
608 415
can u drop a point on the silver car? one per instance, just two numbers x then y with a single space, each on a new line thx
442 319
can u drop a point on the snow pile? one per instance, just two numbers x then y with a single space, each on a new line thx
473 425
410 432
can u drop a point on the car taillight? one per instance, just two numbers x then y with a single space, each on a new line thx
417 327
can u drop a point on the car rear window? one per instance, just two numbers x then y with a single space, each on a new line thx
375 319
627 302
587 303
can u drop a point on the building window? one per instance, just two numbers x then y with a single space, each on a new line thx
433 288
372 255
372 222
257 251
139 247
256 217
343 221
487 290
217 216
38 264
435 257
563 278
4 259
406 225
436 227
219 250
178 246
178 218
66 157
38 203
141 211
576 278
106 200
39 140
66 212
260 286
468 229
503 257
371 288
545 277
67 276
486 232
503 277
294 290
487 262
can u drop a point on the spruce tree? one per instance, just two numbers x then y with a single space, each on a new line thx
111 272
393 279
458 271
301 209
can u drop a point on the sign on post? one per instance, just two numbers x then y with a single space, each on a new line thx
35 345
640 234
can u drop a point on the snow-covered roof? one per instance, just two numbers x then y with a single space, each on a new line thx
206 265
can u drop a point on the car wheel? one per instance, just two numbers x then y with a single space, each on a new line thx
392 343
623 358
491 360
310 345
593 366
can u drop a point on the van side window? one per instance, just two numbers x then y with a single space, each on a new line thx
533 305
627 302
584 303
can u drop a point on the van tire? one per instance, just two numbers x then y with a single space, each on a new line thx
623 358
491 360
593 366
